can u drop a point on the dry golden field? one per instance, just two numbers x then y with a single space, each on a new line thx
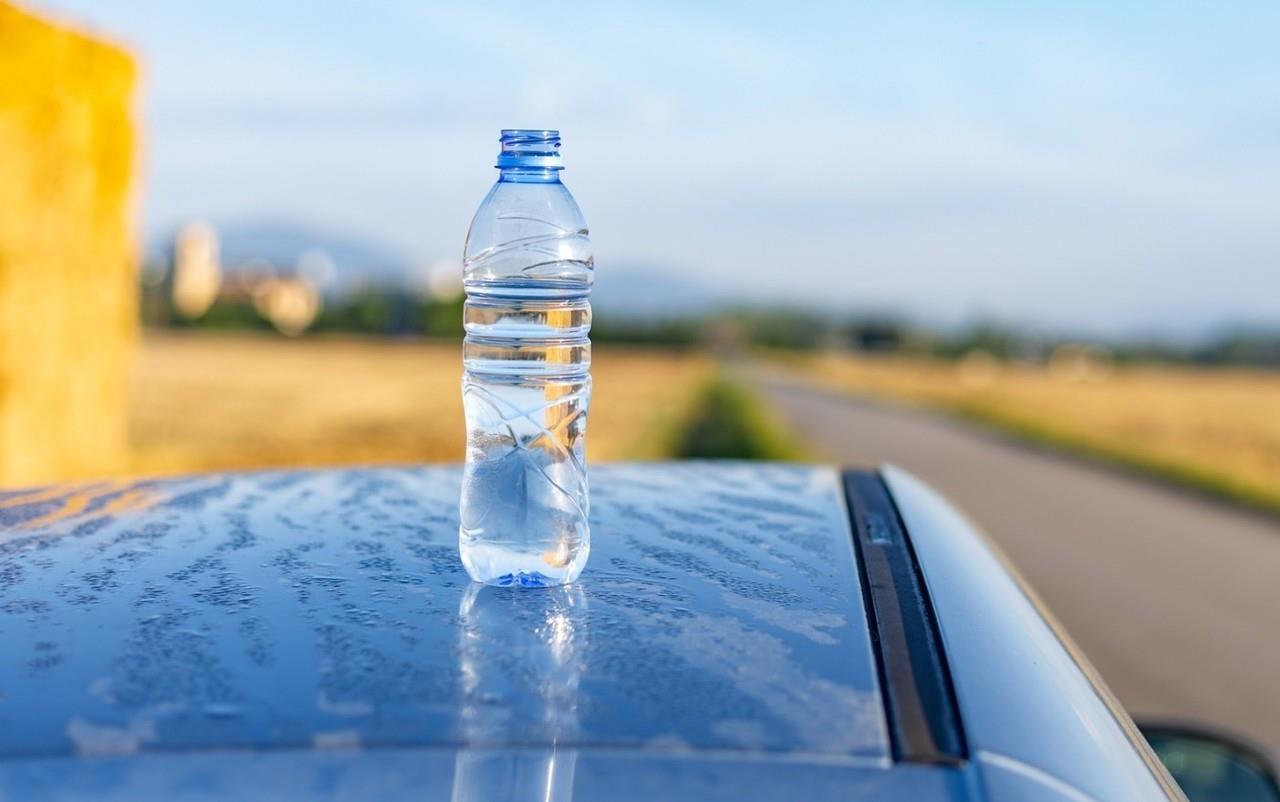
206 402
1217 429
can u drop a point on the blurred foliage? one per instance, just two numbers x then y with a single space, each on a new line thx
376 313
781 329
389 311
227 316
68 308
730 422
676 333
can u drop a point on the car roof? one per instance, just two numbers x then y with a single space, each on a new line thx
721 614
313 633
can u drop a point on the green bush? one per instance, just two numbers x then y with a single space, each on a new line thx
728 422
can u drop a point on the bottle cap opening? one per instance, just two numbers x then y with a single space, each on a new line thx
537 149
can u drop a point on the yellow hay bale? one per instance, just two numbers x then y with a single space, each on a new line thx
67 278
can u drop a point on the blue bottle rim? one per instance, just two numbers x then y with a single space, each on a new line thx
536 148
532 134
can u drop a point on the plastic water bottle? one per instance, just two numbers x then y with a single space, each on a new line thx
527 271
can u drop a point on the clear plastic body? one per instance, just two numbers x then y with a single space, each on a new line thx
527 271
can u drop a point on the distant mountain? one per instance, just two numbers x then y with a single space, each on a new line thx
636 289
285 242
357 260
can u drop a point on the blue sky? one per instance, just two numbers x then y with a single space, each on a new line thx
1108 167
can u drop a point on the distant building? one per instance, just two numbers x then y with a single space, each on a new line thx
197 272
291 303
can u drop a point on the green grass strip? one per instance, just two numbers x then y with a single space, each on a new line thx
728 421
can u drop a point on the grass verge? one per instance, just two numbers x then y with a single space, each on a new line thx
730 422
1204 480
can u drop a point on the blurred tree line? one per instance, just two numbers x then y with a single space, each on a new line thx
390 312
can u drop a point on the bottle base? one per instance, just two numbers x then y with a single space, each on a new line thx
536 579
502 566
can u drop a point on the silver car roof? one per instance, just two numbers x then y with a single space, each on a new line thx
311 634
720 613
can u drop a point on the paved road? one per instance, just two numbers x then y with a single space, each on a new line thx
1175 599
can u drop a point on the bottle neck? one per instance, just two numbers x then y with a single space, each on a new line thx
530 156
528 175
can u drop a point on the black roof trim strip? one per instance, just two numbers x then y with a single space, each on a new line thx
919 700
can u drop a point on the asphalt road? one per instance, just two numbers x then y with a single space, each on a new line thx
1174 598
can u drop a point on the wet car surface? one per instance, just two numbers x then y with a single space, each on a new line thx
313 634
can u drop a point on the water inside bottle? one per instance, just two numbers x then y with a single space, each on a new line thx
525 391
